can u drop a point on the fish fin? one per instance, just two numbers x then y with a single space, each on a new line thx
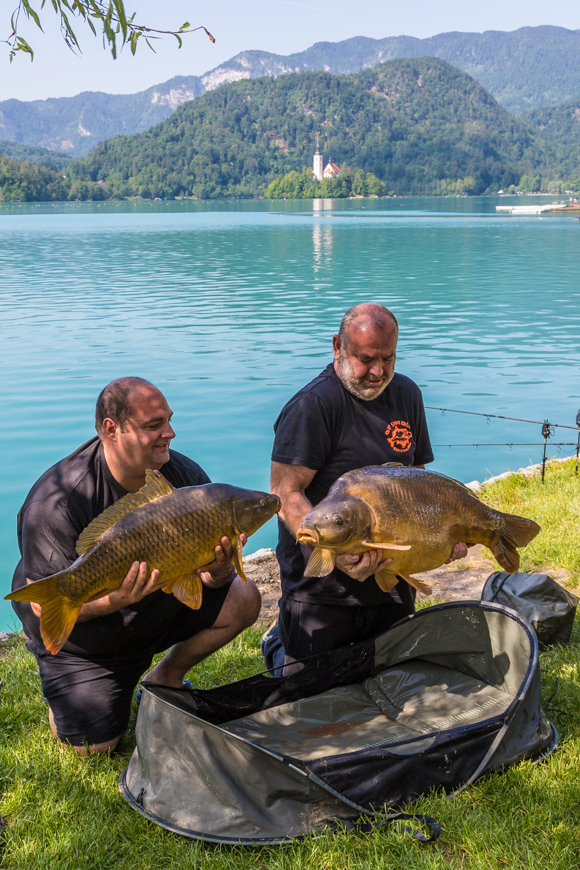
393 465
518 532
418 584
155 487
188 589
57 613
374 545
386 580
238 561
506 555
320 563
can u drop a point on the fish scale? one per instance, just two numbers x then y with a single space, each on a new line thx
415 516
173 530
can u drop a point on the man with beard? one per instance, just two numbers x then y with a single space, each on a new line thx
357 412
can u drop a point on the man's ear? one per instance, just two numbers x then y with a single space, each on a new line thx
336 346
110 429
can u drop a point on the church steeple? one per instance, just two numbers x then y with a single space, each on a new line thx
318 161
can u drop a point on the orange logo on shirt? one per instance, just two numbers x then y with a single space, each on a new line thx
399 435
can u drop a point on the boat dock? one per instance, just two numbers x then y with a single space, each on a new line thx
560 208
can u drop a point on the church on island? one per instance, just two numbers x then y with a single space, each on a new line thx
331 170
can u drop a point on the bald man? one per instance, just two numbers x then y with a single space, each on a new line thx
357 412
89 684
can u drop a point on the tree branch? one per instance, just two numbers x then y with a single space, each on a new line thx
117 29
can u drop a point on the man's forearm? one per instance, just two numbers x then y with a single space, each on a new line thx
100 607
295 506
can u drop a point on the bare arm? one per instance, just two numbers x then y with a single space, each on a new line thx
139 583
289 482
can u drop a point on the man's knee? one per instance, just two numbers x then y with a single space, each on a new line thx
243 603
86 748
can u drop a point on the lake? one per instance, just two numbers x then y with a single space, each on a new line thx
230 307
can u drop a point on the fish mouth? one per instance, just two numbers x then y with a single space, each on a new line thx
307 536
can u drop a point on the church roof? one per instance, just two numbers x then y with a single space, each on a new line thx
332 169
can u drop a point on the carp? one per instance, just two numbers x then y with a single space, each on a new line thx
174 530
415 516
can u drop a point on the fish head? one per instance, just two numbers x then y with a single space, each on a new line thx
253 509
336 523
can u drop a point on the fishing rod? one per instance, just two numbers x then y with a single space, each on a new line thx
547 432
509 444
501 417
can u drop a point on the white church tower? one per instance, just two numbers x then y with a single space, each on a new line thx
318 162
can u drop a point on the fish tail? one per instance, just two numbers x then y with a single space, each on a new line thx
58 614
516 532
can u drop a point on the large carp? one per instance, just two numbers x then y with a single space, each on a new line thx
415 516
174 530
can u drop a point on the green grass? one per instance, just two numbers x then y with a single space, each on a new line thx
65 813
555 505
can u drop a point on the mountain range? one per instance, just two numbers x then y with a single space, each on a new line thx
524 69
416 124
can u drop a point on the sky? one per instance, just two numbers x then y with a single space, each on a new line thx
279 26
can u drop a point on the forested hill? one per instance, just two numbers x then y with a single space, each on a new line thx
559 128
413 123
532 66
40 156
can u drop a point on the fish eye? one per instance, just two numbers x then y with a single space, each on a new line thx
263 502
337 519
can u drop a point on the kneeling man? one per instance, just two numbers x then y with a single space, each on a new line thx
89 684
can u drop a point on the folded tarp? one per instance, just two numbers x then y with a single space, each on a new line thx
545 603
443 697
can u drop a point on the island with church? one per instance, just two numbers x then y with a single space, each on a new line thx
325 182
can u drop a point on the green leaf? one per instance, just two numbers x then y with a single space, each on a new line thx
120 9
31 13
22 45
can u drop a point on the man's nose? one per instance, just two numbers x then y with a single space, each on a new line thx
168 432
376 368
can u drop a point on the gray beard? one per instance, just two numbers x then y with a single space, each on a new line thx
353 384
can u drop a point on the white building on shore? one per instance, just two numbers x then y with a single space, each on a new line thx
319 171
318 163
331 170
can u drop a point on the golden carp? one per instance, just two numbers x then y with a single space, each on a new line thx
174 530
415 516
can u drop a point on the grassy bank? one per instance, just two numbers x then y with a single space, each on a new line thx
65 813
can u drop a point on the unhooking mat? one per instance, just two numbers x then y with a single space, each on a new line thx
443 697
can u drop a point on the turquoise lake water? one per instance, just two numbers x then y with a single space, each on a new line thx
230 309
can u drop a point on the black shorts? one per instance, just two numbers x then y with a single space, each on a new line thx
91 698
306 629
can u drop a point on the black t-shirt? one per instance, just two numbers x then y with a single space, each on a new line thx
327 429
58 507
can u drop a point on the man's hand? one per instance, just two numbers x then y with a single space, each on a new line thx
138 584
220 571
459 552
361 567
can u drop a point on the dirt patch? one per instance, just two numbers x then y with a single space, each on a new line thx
459 581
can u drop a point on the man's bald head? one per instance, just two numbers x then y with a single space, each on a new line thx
116 401
366 317
365 350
